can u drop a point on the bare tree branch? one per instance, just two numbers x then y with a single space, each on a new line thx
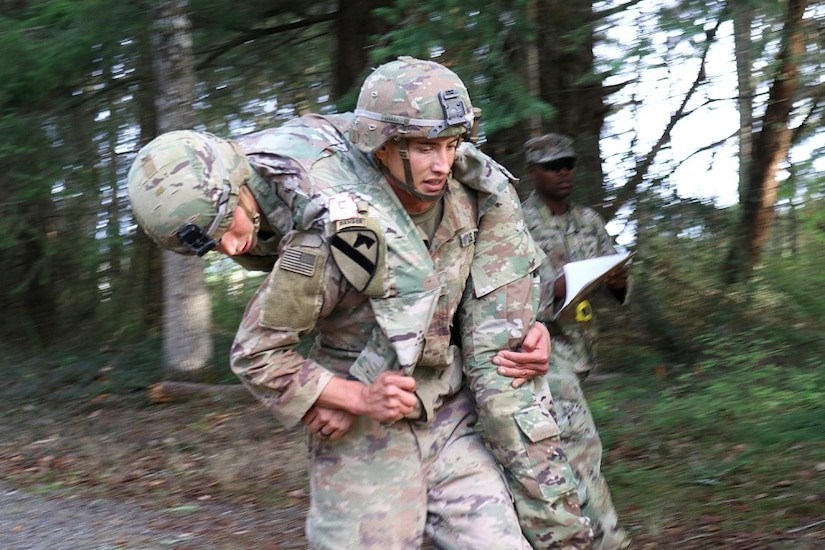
252 34
628 191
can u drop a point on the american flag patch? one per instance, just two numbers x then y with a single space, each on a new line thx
302 263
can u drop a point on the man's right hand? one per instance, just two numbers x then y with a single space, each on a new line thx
390 397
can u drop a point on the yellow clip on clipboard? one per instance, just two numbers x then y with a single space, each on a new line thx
584 311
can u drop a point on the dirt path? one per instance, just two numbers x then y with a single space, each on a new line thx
120 473
30 521
190 476
37 522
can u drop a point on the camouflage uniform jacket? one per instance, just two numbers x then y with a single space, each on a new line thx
409 302
576 235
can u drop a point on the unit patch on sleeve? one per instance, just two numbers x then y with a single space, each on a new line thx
356 251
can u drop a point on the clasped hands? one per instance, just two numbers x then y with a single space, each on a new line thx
391 396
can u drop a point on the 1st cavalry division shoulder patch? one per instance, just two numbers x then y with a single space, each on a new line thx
356 249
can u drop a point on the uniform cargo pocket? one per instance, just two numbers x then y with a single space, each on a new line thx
536 423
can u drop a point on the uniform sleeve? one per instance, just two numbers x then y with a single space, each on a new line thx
500 304
604 242
285 308
496 307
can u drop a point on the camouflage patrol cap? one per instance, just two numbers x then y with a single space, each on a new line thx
186 179
410 98
549 147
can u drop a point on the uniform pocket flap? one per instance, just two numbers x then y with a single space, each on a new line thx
536 423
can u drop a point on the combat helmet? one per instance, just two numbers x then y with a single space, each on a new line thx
410 98
184 187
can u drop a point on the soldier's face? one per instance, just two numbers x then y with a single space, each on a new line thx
553 180
240 236
430 163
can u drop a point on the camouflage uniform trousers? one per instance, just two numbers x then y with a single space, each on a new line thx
583 447
518 424
539 475
382 486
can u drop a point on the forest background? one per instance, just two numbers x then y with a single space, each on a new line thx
710 394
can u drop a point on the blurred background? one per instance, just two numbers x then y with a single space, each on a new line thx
699 126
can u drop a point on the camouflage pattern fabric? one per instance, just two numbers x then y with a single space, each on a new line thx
416 87
406 478
404 298
518 423
195 177
314 146
463 477
577 235
181 177
548 147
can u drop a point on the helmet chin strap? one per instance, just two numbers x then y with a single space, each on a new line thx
409 184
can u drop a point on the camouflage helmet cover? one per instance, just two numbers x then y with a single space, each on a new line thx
548 147
185 177
410 98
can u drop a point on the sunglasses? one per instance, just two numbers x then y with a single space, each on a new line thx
566 163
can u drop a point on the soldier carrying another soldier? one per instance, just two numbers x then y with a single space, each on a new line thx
388 250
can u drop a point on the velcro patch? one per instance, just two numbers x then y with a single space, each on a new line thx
291 297
468 238
342 206
356 251
297 261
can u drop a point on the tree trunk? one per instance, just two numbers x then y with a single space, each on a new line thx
187 320
187 316
769 149
532 69
742 21
563 75
569 83
39 291
146 272
356 29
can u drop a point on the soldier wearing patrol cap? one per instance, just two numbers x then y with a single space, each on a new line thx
569 232
393 193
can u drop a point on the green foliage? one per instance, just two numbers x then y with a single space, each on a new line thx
267 65
720 393
78 375
83 370
230 288
745 423
73 92
51 46
478 40
57 57
736 417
